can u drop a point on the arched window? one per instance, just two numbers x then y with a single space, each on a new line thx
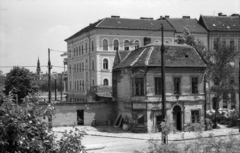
105 82
115 43
137 44
126 43
92 64
105 44
92 46
105 64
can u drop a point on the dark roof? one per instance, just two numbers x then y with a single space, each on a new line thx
128 24
191 24
150 56
102 91
221 23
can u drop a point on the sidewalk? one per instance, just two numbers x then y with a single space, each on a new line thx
109 131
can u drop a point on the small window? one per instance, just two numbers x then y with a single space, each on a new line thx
126 43
224 43
116 45
70 85
105 64
233 100
137 44
138 88
105 44
177 85
158 86
167 42
77 85
93 64
195 116
232 43
80 67
74 52
92 46
195 85
79 50
215 43
83 68
77 67
225 101
105 82
93 82
82 50
70 69
86 48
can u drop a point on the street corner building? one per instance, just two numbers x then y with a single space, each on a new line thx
137 86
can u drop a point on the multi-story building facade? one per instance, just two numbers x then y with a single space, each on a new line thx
92 50
191 24
227 29
137 85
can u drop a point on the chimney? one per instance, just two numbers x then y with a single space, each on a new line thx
186 17
219 14
115 16
167 16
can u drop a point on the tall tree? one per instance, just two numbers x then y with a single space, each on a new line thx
219 66
21 82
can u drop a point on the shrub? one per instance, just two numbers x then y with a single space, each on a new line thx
195 127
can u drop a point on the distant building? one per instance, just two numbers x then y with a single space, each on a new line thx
227 28
137 86
92 50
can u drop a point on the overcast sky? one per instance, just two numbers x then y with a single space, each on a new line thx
29 27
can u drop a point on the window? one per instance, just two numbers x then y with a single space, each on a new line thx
92 46
115 44
231 43
80 67
70 69
86 76
225 101
195 85
79 50
70 85
77 85
105 64
158 86
224 43
126 43
214 103
195 116
177 85
76 51
137 44
233 100
105 44
86 47
77 67
215 43
82 49
92 64
216 82
80 84
83 68
83 84
93 82
74 68
105 82
138 86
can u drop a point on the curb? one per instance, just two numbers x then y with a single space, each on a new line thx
95 148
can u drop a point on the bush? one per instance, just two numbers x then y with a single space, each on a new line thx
195 127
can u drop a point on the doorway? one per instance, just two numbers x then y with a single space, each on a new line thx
80 117
159 119
177 117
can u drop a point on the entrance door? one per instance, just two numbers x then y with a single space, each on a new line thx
177 117
80 117
158 122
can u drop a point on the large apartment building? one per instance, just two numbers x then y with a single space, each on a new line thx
227 29
92 50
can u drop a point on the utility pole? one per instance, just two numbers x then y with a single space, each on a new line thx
49 89
163 83
55 84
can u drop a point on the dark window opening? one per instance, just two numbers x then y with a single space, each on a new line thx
177 83
158 86
195 116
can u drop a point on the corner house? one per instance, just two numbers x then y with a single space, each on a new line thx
137 86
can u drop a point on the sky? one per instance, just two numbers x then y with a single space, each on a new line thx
29 27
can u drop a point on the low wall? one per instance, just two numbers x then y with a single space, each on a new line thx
66 113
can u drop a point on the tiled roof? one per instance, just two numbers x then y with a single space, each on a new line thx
191 24
128 24
135 24
175 56
221 23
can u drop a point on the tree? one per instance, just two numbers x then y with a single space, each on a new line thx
219 68
21 82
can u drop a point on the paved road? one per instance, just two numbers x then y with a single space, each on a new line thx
113 145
